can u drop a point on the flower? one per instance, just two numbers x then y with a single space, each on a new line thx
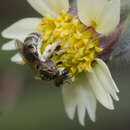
80 32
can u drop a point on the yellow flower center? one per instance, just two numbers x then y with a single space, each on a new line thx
77 41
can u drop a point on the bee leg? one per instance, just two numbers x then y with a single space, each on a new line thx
57 53
49 50
60 52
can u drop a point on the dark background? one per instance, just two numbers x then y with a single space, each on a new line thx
27 104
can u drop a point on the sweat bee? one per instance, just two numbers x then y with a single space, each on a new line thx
41 64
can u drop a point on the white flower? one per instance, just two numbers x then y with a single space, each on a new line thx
104 16
89 87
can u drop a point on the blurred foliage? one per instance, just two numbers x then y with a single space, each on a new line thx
38 104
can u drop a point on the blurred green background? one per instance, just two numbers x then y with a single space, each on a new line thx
28 104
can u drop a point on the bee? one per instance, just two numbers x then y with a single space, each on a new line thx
41 64
62 77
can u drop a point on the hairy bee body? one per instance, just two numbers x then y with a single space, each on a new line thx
47 70
43 66
30 47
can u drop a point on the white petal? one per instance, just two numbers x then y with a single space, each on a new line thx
69 100
81 113
101 94
85 100
22 28
52 7
103 74
79 94
105 14
9 46
90 102
108 74
17 58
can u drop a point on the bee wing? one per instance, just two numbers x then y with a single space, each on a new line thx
121 54
18 44
19 47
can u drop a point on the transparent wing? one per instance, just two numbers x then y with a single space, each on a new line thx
18 44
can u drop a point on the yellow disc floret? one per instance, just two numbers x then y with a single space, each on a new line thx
77 41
